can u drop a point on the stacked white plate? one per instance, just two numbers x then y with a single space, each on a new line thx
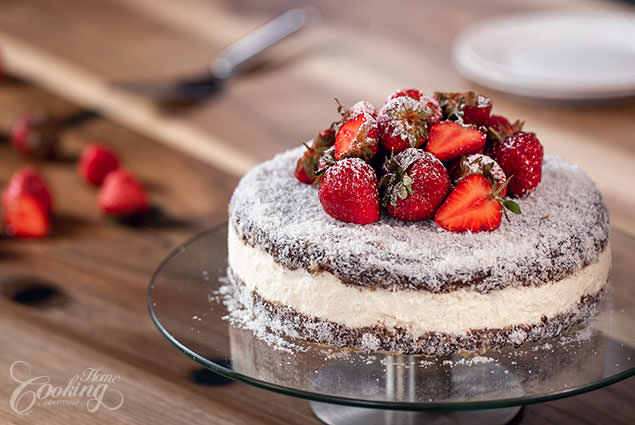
551 55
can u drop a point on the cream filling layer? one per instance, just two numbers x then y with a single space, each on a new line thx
324 296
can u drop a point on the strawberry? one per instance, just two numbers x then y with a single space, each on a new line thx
450 139
357 137
35 135
417 94
520 156
468 107
473 205
26 217
326 160
307 165
498 123
361 107
27 181
348 191
403 124
415 184
121 195
479 164
96 162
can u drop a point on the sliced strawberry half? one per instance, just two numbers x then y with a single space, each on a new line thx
26 217
28 181
473 205
449 140
357 138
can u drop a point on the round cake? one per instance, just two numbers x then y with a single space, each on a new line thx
413 287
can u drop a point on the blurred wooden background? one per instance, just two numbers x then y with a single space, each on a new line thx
64 53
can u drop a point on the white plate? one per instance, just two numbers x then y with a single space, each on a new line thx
551 55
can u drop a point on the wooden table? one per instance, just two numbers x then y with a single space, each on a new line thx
99 271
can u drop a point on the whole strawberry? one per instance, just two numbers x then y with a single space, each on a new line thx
357 138
467 107
122 196
415 183
95 162
348 191
498 129
35 135
362 107
474 205
307 165
520 156
403 124
479 164
417 94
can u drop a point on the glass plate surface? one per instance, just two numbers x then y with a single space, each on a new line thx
185 305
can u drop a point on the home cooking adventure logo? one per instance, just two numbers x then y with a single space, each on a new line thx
91 389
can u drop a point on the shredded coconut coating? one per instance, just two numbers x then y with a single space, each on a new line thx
563 227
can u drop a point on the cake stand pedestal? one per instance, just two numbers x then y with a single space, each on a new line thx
347 387
333 414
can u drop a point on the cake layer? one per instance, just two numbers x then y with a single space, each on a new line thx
287 321
563 228
324 296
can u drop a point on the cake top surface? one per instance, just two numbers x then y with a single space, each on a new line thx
563 227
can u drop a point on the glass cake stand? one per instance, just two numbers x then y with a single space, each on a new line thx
351 387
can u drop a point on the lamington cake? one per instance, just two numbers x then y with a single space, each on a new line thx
406 248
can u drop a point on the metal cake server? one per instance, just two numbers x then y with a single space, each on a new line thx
238 56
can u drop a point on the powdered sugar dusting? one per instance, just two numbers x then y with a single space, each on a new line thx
563 227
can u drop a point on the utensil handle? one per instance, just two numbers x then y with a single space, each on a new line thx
242 51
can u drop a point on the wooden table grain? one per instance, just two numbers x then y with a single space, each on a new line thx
68 50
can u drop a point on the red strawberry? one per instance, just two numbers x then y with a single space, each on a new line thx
468 107
27 181
498 123
122 195
348 192
499 128
416 183
417 94
26 217
520 155
326 160
96 162
473 205
361 107
479 164
403 124
35 135
307 165
357 137
450 139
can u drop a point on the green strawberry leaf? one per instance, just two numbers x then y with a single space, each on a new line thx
512 206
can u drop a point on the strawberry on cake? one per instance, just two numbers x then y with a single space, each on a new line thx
427 227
